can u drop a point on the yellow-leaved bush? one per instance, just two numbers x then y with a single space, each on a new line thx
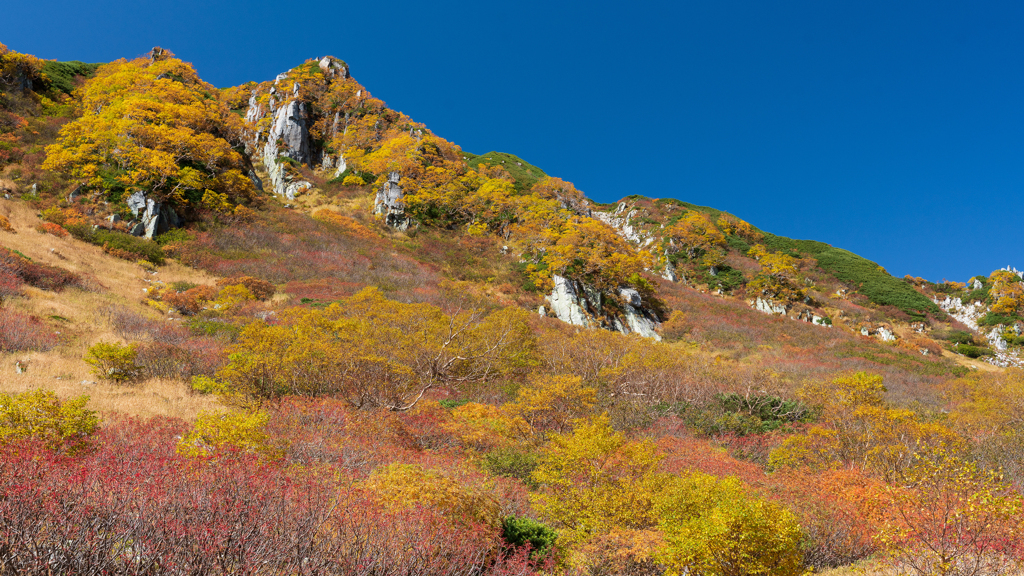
715 527
550 404
40 414
615 508
114 361
858 427
225 432
411 485
593 479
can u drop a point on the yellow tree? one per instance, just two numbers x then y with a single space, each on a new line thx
591 251
152 124
695 233
777 278
1007 292
550 404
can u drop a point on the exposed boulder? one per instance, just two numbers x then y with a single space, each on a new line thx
883 333
389 205
769 307
77 193
638 319
151 217
995 339
669 273
332 67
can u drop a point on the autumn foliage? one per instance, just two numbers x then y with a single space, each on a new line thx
152 125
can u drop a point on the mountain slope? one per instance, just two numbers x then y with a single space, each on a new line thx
336 305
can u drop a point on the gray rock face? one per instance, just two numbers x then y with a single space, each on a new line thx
333 68
669 273
288 136
578 304
153 217
566 303
291 131
78 192
388 203
995 339
769 307
137 202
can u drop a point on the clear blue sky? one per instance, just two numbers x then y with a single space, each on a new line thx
893 129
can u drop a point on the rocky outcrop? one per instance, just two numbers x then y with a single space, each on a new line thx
288 139
150 217
767 306
883 333
286 136
579 304
567 304
621 221
388 203
969 314
290 132
1015 271
638 319
669 272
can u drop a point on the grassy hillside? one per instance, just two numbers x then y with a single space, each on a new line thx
865 276
524 173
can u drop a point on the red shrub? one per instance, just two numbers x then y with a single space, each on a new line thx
23 332
135 506
38 275
10 283
194 356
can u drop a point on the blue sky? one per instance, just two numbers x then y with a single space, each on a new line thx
892 129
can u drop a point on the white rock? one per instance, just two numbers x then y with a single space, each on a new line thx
388 203
565 302
768 307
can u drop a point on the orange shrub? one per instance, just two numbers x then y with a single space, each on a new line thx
5 224
51 228
192 300
63 216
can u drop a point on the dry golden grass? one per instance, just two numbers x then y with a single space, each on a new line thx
82 317
68 376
